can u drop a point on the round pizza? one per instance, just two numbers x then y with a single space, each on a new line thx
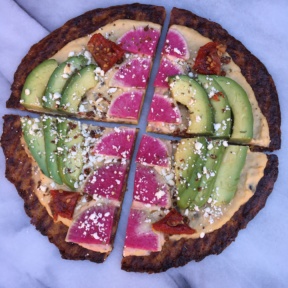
193 191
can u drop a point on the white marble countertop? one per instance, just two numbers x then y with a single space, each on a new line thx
258 257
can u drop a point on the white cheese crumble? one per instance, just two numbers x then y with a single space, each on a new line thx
198 145
217 126
27 92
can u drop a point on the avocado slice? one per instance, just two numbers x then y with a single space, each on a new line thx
199 151
220 106
76 88
51 138
229 174
191 94
59 78
242 131
34 137
215 154
184 163
69 147
35 85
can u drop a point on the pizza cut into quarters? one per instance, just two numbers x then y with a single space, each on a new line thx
193 193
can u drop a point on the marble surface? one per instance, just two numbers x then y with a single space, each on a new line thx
259 256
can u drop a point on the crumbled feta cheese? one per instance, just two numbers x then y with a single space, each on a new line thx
217 126
160 194
198 145
27 92
111 90
210 146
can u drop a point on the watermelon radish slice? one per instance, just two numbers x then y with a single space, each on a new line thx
141 40
150 188
126 106
133 73
152 151
118 143
167 68
107 181
139 234
93 226
163 109
176 45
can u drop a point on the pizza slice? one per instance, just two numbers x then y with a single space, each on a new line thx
95 66
218 81
72 178
193 200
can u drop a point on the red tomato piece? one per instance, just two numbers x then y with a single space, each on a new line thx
208 60
63 203
216 96
173 223
106 53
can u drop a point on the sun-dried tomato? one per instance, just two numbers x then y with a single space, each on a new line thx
106 53
63 203
216 96
173 223
208 60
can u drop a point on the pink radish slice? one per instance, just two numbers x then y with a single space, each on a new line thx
152 151
107 181
126 106
93 226
167 68
133 73
176 45
118 143
163 110
141 40
139 234
149 188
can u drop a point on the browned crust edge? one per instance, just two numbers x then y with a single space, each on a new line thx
19 172
178 253
77 27
253 70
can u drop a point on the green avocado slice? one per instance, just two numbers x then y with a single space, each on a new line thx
220 106
59 79
51 138
184 163
188 92
34 137
78 85
215 153
198 153
35 85
242 130
229 174
69 148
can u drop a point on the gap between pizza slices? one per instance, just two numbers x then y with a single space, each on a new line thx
187 201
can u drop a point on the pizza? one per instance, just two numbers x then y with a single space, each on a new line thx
193 194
